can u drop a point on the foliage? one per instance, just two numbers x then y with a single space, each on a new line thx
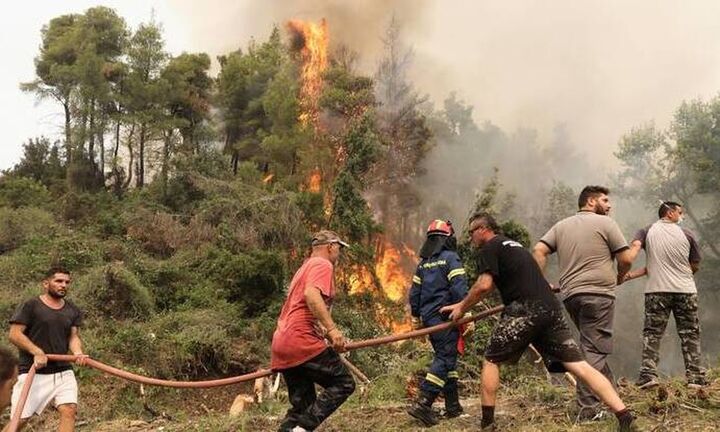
350 212
112 291
23 192
680 164
18 225
42 162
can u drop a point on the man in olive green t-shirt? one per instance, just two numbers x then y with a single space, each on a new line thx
587 244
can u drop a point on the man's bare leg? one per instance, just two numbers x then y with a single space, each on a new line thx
490 385
597 382
68 413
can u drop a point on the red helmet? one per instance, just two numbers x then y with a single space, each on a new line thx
440 227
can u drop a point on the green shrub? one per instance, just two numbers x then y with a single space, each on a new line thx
73 250
23 192
112 291
176 345
17 225
252 280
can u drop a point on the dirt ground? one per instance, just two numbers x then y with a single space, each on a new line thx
535 406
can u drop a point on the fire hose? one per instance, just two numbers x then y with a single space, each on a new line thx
15 421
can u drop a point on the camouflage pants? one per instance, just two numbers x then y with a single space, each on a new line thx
657 313
309 409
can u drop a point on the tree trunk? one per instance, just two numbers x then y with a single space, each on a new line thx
166 160
140 175
68 130
132 154
101 141
91 141
117 145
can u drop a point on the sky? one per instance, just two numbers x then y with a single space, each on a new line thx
599 67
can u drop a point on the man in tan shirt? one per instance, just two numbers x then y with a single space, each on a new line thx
587 244
673 256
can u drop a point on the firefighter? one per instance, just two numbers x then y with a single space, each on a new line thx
440 280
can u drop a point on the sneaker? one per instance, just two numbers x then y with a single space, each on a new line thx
644 383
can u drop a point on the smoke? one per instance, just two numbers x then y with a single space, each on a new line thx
221 26
552 87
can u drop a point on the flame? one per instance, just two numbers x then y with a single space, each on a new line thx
311 40
268 178
315 181
393 269
394 279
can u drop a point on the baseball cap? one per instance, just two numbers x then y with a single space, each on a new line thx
327 237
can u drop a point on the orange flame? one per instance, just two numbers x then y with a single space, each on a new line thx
395 276
315 181
268 178
311 40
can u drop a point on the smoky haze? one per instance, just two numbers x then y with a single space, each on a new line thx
599 67
553 86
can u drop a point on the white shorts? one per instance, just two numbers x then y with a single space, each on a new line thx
59 388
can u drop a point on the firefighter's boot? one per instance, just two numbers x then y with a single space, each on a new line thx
421 409
452 401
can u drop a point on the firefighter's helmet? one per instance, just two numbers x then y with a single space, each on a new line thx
440 227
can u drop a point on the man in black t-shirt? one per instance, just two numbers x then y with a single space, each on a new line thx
532 315
48 324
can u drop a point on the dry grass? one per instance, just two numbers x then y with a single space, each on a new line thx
531 405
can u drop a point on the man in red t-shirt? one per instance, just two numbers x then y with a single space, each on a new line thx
299 349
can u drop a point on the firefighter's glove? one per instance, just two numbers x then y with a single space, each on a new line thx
416 323
468 328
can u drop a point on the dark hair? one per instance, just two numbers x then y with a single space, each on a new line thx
54 270
591 192
487 219
666 207
8 362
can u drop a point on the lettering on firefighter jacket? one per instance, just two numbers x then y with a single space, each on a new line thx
438 281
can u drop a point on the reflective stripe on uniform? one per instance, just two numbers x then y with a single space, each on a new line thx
435 380
456 272
453 374
417 280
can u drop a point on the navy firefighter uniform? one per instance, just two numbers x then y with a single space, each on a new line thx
439 280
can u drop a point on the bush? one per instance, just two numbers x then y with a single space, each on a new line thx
23 192
252 280
17 225
163 234
112 291
177 345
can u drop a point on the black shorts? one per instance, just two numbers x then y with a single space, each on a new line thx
539 324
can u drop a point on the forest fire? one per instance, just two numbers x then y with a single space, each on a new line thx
394 276
311 41
391 274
